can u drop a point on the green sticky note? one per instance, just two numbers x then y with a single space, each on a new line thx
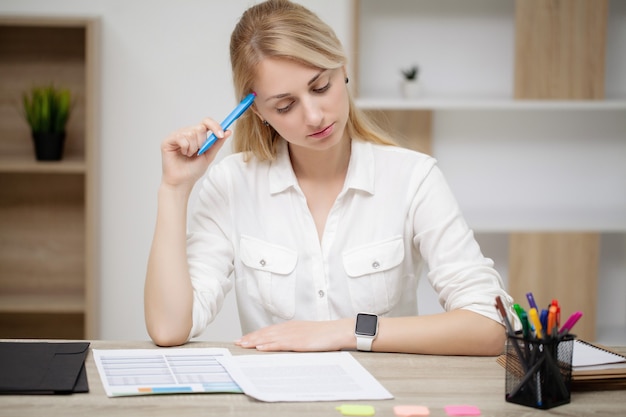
356 410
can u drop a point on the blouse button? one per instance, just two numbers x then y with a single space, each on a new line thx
262 262
320 293
375 265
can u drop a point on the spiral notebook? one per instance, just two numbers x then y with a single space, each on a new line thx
597 368
591 357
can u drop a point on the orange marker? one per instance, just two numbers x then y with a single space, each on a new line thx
552 326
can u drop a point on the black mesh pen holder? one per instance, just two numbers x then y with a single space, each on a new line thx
539 371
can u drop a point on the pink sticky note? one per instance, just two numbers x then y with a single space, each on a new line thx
462 410
411 410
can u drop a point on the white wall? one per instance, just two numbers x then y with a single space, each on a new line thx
165 65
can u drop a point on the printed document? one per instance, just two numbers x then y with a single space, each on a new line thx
327 376
163 371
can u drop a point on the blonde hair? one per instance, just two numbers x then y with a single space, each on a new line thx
282 29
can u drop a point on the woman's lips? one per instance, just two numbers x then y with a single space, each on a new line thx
324 133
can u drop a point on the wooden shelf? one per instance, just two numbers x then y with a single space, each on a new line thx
28 164
47 208
42 303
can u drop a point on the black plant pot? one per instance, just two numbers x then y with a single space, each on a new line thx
49 146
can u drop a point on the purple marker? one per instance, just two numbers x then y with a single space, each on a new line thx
531 300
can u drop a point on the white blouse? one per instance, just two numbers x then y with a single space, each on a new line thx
251 228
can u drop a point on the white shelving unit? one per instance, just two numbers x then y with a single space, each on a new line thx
514 165
439 103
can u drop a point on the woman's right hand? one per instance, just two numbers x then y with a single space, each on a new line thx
181 164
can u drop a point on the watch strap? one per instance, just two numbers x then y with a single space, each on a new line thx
364 343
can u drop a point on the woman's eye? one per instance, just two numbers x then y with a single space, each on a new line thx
284 109
322 89
319 90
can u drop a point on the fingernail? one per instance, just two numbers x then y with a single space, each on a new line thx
220 134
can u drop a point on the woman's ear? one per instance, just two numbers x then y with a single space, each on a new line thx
265 122
254 109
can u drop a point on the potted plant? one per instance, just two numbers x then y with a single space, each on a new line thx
47 110
410 82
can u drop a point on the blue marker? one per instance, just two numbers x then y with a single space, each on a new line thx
234 115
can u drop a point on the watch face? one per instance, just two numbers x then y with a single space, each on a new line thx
366 324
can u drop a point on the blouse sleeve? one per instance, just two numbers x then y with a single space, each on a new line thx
209 250
458 272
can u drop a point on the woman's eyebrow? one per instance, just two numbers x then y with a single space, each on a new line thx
277 96
319 74
311 81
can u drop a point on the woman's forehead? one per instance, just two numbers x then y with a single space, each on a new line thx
280 76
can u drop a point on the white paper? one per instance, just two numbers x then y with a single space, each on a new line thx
329 376
587 357
163 371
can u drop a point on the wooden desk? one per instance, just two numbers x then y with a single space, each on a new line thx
433 381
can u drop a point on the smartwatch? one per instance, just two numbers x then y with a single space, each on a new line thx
365 330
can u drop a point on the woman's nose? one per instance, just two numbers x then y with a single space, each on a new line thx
313 114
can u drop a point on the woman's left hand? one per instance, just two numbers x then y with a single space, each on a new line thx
302 336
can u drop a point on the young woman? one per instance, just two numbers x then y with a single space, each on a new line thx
316 218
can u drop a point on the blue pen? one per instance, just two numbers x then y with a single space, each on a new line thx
234 115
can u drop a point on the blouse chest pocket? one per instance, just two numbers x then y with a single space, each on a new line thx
375 279
269 275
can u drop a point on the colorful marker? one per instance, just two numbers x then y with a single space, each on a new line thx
555 303
534 318
525 324
518 309
571 321
543 318
505 317
531 300
552 326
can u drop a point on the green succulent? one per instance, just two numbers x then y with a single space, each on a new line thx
47 109
411 73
